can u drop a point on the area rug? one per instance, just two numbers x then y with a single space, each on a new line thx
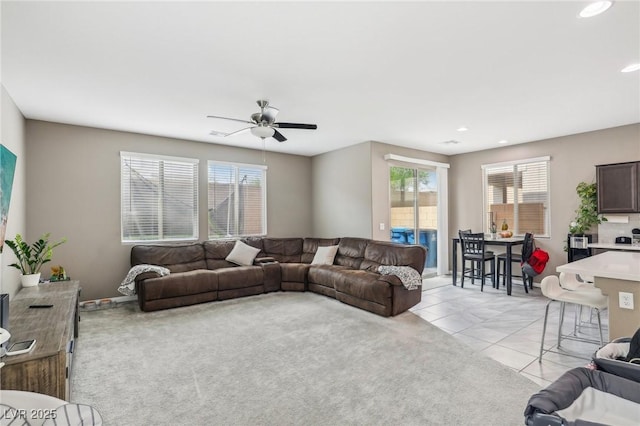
286 359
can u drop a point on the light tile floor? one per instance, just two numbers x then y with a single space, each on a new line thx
508 328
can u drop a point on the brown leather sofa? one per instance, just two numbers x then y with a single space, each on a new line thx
200 273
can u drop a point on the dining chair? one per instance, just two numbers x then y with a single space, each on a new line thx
501 264
473 250
552 290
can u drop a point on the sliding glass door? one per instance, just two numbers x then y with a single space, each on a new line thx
414 210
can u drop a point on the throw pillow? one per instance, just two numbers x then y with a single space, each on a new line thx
242 254
325 255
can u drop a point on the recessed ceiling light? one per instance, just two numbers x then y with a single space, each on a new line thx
595 8
631 68
503 141
462 129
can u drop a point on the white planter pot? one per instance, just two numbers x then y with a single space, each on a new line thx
30 280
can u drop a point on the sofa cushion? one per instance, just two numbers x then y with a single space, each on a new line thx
177 258
383 253
351 252
242 254
180 284
283 249
325 255
294 272
326 275
364 285
216 251
310 246
239 277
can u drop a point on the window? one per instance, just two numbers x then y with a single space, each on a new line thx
237 200
518 193
159 198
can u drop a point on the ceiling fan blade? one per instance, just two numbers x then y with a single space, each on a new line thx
237 132
217 133
227 118
295 126
278 136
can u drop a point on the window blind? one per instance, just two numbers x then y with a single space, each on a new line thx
517 193
159 198
236 200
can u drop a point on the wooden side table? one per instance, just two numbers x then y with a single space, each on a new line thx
46 369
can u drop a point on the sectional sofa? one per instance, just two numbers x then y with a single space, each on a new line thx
201 272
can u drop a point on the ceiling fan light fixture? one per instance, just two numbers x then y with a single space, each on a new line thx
595 8
262 131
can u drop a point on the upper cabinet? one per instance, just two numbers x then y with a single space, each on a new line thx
618 187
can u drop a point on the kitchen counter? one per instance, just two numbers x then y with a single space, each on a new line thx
612 246
620 265
614 272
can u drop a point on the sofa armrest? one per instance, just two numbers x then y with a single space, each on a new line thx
391 279
147 275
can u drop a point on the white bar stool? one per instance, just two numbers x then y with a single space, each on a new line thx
551 289
573 283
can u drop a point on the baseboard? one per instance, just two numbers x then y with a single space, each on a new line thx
107 302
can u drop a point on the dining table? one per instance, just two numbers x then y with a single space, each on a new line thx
507 243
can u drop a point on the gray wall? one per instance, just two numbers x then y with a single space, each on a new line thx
12 126
74 192
351 189
572 161
341 192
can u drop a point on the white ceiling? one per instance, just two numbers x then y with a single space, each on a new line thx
407 74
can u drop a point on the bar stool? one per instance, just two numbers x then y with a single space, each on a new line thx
592 299
473 250
571 282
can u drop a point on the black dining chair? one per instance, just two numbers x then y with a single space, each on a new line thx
519 259
473 250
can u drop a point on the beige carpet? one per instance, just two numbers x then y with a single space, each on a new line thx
286 358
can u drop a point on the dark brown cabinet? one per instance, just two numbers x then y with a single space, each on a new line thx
618 187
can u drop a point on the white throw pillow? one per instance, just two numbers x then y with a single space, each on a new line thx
325 255
242 254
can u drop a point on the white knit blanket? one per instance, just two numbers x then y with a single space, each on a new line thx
410 278
128 285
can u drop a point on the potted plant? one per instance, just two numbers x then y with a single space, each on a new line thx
587 212
31 257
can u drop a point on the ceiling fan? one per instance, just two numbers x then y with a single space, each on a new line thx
263 124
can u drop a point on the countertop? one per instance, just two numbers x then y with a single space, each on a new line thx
622 265
612 246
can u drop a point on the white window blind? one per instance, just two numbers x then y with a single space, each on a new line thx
237 200
159 198
518 193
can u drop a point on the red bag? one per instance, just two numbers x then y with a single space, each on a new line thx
538 260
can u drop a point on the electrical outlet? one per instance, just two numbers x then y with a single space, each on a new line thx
382 226
625 300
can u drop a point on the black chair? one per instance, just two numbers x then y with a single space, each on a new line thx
527 248
474 252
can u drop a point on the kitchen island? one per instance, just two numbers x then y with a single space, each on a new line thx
614 272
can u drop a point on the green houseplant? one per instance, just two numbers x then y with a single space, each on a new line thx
587 212
32 257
